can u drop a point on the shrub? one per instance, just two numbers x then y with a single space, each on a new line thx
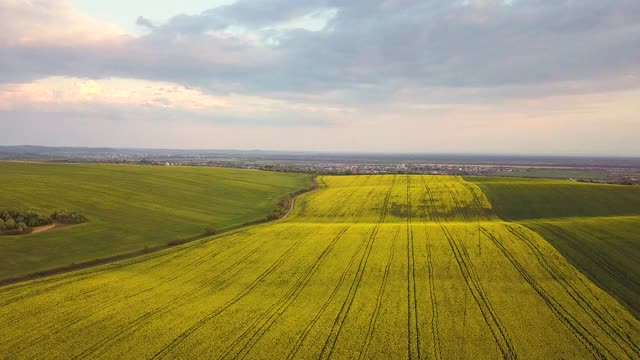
274 215
178 241
2 225
21 226
210 230
10 224
68 217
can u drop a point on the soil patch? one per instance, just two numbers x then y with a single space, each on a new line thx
44 228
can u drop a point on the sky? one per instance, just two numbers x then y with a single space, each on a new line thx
433 76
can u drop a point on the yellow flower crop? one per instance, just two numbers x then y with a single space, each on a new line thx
381 267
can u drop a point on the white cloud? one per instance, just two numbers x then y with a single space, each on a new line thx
37 21
335 74
62 92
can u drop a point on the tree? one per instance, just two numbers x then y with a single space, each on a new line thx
10 224
21 226
2 225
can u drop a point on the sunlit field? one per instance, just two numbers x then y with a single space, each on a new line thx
377 267
595 226
129 207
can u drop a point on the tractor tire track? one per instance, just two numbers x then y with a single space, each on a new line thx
621 339
479 295
262 324
480 209
374 317
314 320
376 312
106 342
620 276
437 345
434 213
336 329
458 206
435 331
588 340
244 293
346 200
587 306
185 334
59 282
117 299
413 329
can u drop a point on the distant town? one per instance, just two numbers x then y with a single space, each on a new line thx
611 170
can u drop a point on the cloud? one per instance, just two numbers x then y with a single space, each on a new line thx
127 99
26 22
366 67
364 45
61 92
542 126
19 95
144 22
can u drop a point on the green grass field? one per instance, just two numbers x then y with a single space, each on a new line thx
556 173
596 227
129 207
380 267
607 249
526 199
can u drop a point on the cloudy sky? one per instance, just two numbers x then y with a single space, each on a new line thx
488 76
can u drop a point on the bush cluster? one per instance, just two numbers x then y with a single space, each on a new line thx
68 217
21 222
282 209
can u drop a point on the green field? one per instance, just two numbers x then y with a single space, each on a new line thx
129 207
526 199
556 173
596 227
380 267
607 249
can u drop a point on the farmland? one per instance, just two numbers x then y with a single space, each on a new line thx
388 266
594 226
129 208
527 199
555 173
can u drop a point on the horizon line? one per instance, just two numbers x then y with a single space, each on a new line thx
339 152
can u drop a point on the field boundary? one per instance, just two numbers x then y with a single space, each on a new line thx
287 202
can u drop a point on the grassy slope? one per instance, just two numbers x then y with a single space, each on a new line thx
597 227
524 199
606 249
129 207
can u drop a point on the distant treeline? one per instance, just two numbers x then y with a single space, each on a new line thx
22 222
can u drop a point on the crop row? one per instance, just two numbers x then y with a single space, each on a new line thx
348 275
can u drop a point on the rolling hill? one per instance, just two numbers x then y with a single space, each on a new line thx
595 226
129 207
366 267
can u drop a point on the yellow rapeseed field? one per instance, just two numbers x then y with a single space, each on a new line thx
381 267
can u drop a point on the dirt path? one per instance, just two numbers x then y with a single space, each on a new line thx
44 228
